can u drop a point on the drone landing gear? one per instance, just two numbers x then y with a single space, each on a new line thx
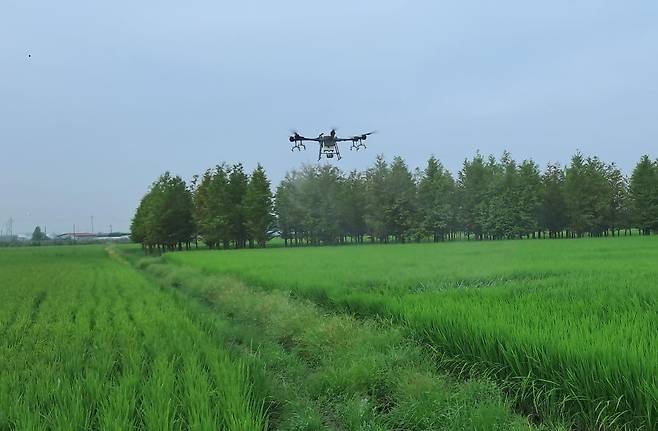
357 144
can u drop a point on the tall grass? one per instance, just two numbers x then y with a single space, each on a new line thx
324 371
569 326
88 343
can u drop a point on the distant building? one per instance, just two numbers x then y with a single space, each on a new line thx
76 235
86 236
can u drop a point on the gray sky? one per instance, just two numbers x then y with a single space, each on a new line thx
116 93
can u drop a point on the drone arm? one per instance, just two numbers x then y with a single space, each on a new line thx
355 137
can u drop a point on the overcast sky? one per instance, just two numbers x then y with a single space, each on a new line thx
116 93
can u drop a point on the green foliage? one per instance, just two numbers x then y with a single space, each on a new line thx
436 200
588 195
165 215
644 195
223 207
553 215
376 199
258 207
528 199
352 206
236 190
212 207
490 199
400 204
38 235
472 185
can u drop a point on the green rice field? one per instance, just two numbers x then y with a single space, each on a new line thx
568 327
87 343
96 338
508 335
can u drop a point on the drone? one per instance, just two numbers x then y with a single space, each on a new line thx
329 143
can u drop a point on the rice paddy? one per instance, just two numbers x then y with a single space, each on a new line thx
87 343
568 327
467 335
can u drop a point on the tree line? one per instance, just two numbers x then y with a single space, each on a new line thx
224 207
488 198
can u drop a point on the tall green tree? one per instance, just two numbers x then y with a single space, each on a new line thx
176 225
258 207
497 212
288 222
377 200
643 192
436 200
236 190
352 206
473 184
588 195
617 215
529 198
165 216
213 195
576 193
553 216
140 222
38 235
322 193
400 207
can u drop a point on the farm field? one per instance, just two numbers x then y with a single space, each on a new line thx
90 341
87 343
568 326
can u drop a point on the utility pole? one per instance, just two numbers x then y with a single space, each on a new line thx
92 224
110 228
8 230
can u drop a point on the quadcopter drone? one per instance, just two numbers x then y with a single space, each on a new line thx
329 143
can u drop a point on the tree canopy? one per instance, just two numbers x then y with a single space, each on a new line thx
488 198
38 235
223 208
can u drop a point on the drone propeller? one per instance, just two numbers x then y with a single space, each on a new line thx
357 140
296 139
295 136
